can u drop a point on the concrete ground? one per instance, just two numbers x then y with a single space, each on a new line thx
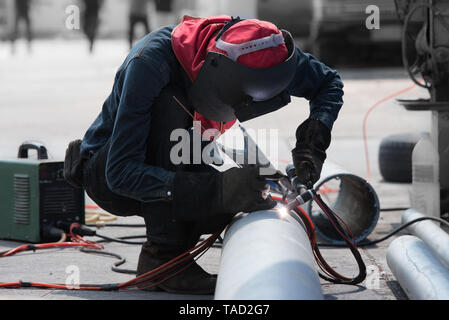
53 94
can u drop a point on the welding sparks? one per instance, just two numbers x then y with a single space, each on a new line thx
283 212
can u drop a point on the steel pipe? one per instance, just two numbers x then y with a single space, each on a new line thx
419 272
267 256
351 197
428 231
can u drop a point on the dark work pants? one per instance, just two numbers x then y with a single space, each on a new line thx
159 216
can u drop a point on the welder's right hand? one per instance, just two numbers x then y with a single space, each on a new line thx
203 195
244 190
313 138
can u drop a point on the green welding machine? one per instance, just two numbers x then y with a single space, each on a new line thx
35 199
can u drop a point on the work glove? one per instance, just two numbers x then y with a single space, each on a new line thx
203 195
313 138
244 190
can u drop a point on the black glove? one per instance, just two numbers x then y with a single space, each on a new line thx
313 138
243 191
203 195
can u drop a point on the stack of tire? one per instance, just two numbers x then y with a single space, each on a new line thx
395 157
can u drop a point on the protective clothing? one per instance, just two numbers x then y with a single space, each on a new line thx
205 195
130 113
235 65
193 280
313 139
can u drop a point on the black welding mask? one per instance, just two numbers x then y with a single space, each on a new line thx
226 90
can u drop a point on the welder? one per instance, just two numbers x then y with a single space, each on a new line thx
214 71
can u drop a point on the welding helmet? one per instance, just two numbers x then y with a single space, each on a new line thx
247 72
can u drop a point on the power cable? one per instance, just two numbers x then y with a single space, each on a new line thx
365 121
390 234
393 209
147 280
99 225
115 265
118 240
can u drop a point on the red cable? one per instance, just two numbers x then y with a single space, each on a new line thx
329 272
299 208
151 285
168 270
326 189
88 206
188 256
371 109
333 223
46 246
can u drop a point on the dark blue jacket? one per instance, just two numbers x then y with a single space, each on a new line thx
126 113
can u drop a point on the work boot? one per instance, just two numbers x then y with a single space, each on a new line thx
193 280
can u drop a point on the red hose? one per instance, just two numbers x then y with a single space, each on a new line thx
365 120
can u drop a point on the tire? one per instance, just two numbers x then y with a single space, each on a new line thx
395 157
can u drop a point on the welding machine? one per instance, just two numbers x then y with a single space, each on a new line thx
35 198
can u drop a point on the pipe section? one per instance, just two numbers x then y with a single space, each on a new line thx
429 231
267 256
419 272
351 197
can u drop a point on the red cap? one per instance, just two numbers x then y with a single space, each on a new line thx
253 43
193 38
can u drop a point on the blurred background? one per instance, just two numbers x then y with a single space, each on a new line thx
327 28
58 59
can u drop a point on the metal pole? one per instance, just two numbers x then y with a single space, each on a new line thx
267 256
434 237
420 273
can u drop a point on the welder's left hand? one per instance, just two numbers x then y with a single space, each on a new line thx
313 138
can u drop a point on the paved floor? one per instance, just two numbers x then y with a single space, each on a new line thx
53 94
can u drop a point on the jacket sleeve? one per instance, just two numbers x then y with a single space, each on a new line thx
126 171
319 84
